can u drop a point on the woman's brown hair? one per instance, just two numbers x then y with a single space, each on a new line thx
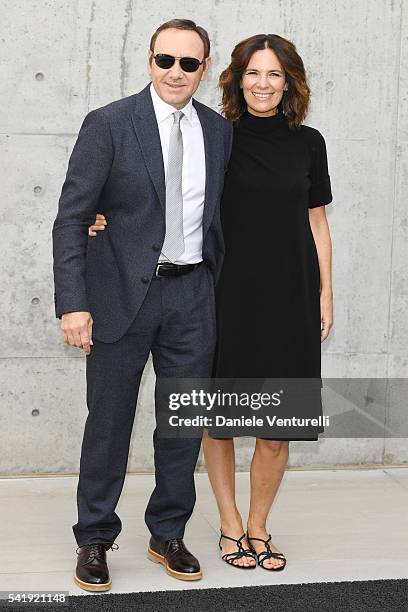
295 101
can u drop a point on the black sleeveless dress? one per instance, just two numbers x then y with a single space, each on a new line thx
268 294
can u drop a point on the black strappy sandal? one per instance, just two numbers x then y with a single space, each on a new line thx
267 554
241 552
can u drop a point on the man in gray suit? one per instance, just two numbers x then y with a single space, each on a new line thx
154 164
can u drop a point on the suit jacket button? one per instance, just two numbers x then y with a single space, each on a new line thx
156 247
145 279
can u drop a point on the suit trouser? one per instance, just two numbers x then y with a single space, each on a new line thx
176 323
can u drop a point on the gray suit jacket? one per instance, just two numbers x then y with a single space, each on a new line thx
116 168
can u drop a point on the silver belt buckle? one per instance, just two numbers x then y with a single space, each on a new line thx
162 263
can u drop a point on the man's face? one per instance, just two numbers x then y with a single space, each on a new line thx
174 85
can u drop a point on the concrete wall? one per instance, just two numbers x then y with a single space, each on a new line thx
61 58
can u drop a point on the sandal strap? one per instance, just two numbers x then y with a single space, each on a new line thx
241 552
247 552
237 542
268 553
237 555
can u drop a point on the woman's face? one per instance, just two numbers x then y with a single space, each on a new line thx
263 83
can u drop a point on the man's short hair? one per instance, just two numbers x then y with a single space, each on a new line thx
183 24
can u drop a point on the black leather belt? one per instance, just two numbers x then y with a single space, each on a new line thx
171 269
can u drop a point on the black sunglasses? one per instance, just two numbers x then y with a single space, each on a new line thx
188 64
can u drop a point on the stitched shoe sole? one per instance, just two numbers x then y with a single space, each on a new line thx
88 586
156 558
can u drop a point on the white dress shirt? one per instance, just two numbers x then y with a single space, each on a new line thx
193 173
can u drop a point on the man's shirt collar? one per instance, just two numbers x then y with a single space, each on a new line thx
164 110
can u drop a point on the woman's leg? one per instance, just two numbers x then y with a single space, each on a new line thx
267 469
220 463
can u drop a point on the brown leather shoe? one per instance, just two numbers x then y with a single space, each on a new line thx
92 572
178 561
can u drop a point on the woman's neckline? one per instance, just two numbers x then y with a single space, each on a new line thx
260 123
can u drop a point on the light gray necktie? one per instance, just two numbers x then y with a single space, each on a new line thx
173 245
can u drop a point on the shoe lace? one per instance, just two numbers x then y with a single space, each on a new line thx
95 551
175 544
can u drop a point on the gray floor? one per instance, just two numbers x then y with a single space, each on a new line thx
332 525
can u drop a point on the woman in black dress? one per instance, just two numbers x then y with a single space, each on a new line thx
274 296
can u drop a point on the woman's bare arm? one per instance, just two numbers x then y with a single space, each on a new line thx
321 235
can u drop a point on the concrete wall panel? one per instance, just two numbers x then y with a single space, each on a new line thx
43 66
398 319
33 169
43 413
60 59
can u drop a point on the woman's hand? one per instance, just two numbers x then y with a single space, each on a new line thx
326 314
100 223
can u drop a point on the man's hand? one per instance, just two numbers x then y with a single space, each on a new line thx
76 328
100 224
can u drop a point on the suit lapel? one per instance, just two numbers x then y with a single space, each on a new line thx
213 149
147 133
